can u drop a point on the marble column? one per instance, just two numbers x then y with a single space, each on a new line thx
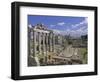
39 43
47 42
34 34
35 49
44 44
31 43
50 42
53 43
44 48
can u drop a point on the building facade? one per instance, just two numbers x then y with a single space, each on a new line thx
41 42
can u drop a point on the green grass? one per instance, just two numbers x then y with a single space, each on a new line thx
84 54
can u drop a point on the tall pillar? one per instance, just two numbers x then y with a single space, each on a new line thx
44 43
46 47
34 34
35 49
50 42
53 43
29 42
39 43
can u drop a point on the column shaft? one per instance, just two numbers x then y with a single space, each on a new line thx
44 49
50 42
47 42
34 34
53 43
40 43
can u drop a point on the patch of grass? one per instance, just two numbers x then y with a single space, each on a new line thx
84 54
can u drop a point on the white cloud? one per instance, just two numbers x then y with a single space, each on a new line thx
30 26
61 23
52 25
57 31
76 31
81 23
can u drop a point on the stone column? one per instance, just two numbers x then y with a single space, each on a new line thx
50 42
53 43
46 47
44 43
35 49
34 34
47 42
39 42
29 42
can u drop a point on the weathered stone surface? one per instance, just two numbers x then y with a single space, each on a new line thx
31 62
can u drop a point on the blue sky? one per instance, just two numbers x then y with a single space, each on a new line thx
74 26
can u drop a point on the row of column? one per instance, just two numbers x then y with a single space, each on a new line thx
45 43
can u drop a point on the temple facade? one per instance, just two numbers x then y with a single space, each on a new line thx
41 42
